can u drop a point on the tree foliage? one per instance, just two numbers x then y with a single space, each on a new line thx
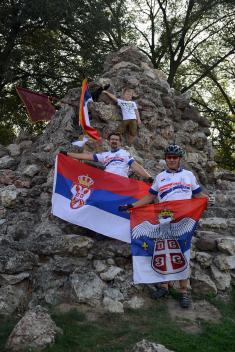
49 46
193 43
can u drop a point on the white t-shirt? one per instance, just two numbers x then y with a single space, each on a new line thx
179 185
128 108
117 162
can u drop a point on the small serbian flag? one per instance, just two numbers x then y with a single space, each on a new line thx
38 106
86 196
84 119
161 239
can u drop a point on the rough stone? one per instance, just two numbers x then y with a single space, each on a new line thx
202 284
221 279
147 346
87 286
205 259
113 293
111 273
224 262
31 170
112 306
13 149
6 162
226 245
36 330
134 303
8 196
12 297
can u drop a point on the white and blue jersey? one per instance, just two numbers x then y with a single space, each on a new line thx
117 162
178 185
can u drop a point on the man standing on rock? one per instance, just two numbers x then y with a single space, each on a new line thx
174 183
117 160
130 113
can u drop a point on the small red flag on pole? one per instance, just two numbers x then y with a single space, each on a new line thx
38 106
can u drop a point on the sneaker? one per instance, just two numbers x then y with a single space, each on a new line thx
185 300
160 293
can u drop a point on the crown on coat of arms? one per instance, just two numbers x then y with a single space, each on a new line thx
85 181
165 213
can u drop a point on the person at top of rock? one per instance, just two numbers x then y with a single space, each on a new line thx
130 113
174 183
116 160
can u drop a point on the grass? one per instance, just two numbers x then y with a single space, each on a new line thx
118 333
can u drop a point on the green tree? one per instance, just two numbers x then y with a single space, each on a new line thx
49 46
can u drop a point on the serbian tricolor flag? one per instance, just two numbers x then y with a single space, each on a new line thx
161 239
84 119
86 196
38 106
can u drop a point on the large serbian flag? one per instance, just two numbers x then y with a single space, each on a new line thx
161 238
89 197
84 119
38 106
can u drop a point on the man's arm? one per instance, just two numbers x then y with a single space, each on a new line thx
111 96
139 170
149 198
200 195
81 156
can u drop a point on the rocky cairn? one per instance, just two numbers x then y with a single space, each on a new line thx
44 260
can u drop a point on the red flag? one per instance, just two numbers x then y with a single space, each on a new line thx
84 120
38 105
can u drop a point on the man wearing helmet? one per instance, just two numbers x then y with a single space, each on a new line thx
174 183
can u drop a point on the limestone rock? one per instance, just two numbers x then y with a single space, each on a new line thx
202 284
205 259
112 306
87 286
146 346
224 262
78 245
113 293
36 330
226 245
111 273
12 297
8 196
3 151
221 279
214 223
14 149
134 303
6 162
99 265
31 170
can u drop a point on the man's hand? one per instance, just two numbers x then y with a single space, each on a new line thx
149 179
125 207
63 152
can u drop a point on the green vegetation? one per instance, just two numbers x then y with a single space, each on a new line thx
49 46
114 333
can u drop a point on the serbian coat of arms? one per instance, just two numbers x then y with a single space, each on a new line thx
81 191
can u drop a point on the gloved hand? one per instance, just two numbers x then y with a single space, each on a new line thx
125 207
63 152
149 179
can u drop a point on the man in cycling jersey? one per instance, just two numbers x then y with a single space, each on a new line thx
116 160
174 183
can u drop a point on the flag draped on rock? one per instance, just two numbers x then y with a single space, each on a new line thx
38 105
89 197
161 239
84 119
